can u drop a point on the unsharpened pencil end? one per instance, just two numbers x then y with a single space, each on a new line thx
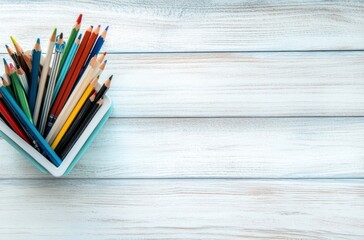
79 19
13 40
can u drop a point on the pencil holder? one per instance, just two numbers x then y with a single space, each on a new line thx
43 164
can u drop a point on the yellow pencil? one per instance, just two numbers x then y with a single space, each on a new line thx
89 90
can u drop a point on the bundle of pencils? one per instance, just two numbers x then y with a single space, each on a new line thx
50 102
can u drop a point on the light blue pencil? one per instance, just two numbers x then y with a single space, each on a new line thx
66 67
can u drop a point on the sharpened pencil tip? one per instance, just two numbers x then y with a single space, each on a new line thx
105 61
38 40
13 40
54 31
98 76
79 19
107 28
5 61
61 36
6 45
11 66
111 77
80 36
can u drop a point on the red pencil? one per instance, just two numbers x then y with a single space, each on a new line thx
76 72
10 120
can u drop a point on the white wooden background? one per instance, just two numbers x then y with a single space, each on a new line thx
233 120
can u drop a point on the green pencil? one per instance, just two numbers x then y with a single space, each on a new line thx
19 92
70 41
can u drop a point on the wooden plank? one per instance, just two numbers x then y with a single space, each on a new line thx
160 26
182 209
215 148
237 84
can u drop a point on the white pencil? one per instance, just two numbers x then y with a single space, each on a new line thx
43 78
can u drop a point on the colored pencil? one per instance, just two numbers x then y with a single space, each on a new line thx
95 50
70 41
66 67
13 55
76 123
89 90
11 122
19 92
28 60
51 83
101 68
76 73
23 79
16 110
7 85
34 78
43 78
81 129
72 101
68 81
20 54
83 113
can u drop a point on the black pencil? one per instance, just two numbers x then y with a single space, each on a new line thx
81 129
82 114
76 123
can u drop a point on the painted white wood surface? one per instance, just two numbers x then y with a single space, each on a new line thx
237 84
215 148
165 26
155 173
182 209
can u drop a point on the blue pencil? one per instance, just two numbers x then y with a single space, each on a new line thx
18 112
34 76
66 67
95 50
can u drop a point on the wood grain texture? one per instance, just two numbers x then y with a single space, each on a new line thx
173 26
215 148
237 84
182 209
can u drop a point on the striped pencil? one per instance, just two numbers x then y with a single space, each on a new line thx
51 83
